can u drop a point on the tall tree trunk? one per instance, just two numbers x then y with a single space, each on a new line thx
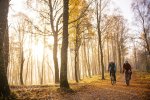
146 39
21 67
100 36
55 35
55 58
42 72
93 63
88 64
85 60
4 87
101 53
6 48
119 52
43 63
99 62
64 48
119 58
113 51
107 51
31 65
77 46
76 60
135 57
27 68
76 66
21 59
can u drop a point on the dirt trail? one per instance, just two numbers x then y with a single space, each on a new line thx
95 89
139 89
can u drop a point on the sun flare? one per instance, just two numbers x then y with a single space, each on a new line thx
37 49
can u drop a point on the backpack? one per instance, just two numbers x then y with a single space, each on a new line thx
112 67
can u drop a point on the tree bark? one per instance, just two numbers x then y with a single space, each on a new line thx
119 52
55 35
85 59
88 63
21 67
108 58
101 53
76 60
55 58
64 48
99 37
76 67
4 87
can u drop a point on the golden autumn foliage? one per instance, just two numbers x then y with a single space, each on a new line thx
89 89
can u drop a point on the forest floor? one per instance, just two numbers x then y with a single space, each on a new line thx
91 89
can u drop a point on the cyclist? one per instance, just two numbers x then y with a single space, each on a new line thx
126 68
112 69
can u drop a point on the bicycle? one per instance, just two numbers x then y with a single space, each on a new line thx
127 77
113 78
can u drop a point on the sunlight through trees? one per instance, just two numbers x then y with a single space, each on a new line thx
60 42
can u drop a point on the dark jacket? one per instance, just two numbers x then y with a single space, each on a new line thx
112 67
126 67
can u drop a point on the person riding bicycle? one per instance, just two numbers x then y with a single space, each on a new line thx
112 69
127 67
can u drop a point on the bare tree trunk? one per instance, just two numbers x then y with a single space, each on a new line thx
21 67
43 63
6 48
31 65
99 62
4 87
146 39
77 46
119 59
93 62
98 13
42 73
108 58
135 57
76 61
27 68
63 73
101 52
55 58
83 61
76 66
55 35
88 64
21 56
119 52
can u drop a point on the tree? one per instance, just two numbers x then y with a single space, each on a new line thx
133 39
21 60
51 13
141 10
116 33
142 14
4 87
121 31
63 73
78 8
100 6
55 32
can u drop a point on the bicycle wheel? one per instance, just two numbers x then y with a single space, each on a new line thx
112 79
127 82
127 79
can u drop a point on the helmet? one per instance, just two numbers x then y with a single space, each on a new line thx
126 61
